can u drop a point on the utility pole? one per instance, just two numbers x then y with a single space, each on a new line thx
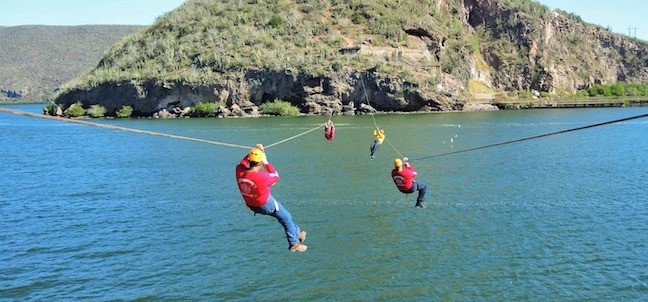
630 33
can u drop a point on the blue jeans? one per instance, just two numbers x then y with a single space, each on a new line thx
421 187
275 209
374 147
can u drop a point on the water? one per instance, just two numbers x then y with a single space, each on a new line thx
88 213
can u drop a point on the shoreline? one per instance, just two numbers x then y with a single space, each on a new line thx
510 104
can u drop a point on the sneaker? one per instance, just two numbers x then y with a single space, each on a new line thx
420 205
371 156
298 247
302 236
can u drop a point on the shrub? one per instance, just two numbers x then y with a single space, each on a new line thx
597 90
582 94
632 90
525 94
275 21
618 90
50 109
96 111
203 110
75 110
280 108
125 112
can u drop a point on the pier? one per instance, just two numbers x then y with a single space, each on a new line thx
570 103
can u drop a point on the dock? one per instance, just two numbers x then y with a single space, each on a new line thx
570 103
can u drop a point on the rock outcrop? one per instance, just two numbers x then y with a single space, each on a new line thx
314 95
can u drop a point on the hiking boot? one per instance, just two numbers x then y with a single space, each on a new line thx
302 236
298 247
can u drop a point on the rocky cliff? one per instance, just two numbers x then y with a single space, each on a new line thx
353 56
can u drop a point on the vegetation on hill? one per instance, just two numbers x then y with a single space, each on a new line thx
35 59
429 49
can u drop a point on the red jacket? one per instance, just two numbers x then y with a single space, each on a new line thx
404 179
255 186
329 133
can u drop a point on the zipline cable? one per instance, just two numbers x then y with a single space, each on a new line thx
536 136
372 115
293 137
31 114
56 118
364 89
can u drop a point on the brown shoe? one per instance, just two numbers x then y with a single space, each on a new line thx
298 247
302 236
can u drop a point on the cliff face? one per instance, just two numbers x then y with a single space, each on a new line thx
563 53
241 97
354 56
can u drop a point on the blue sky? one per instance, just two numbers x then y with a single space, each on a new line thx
618 15
83 12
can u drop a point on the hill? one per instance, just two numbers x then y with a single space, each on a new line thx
35 60
406 55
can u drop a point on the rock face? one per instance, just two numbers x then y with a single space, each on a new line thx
314 95
497 45
561 53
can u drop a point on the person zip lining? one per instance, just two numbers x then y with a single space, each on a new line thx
255 175
404 177
379 137
329 130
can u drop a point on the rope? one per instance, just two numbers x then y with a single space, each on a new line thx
293 137
536 136
364 89
330 115
374 119
399 154
56 118
30 114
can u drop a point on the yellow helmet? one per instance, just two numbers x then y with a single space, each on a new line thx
255 155
398 162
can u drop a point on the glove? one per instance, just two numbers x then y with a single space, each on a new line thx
405 159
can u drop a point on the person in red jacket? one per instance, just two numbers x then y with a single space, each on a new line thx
255 175
404 176
329 130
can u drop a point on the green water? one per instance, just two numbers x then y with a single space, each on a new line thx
88 213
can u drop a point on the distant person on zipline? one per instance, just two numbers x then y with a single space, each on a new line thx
329 130
255 175
379 137
404 176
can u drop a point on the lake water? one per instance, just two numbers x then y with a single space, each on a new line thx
88 213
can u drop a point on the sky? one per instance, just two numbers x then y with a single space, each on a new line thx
621 16
626 17
83 12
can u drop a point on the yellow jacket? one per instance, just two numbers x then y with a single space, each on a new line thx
379 135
